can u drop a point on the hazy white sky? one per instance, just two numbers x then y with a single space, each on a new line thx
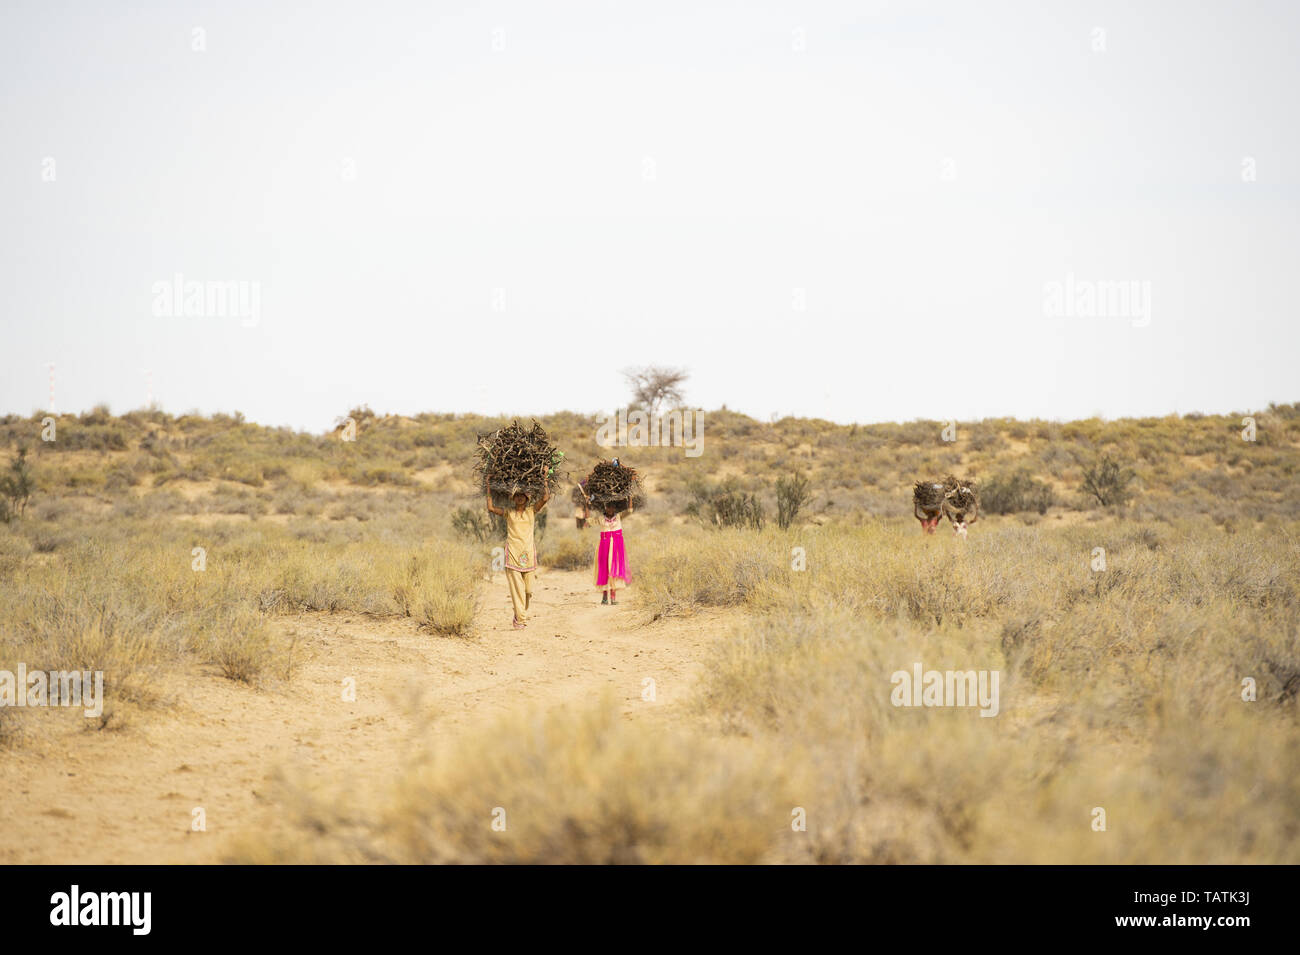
850 210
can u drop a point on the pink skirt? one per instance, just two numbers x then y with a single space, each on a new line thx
611 560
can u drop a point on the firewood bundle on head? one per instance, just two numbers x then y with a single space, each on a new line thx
517 459
928 495
613 483
960 493
577 497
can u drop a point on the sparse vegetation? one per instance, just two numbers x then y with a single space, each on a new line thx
1015 493
1116 684
792 494
472 524
725 505
16 488
1108 482
569 552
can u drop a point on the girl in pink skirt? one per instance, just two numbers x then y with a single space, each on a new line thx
611 558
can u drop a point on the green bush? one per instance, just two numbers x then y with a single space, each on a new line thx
16 488
1015 493
472 524
1108 482
724 505
791 495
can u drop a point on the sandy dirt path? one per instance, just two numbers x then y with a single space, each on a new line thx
76 795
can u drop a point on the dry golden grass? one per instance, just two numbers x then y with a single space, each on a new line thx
438 587
571 786
569 549
1120 689
134 598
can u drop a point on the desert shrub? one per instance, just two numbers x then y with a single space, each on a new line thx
239 501
791 495
472 524
919 432
384 474
584 787
449 612
1107 482
982 437
1015 493
1127 667
242 647
684 573
77 617
724 505
1273 655
439 588
362 507
569 553
16 488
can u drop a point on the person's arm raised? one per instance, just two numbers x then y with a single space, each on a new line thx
487 493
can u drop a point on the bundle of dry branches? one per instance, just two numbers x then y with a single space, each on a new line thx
613 483
928 495
513 458
961 494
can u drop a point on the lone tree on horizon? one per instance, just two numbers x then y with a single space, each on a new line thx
653 386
